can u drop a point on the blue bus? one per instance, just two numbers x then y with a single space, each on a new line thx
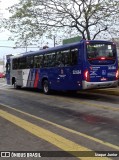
77 66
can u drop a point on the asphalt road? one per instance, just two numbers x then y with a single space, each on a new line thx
32 121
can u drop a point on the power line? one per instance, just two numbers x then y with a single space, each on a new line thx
7 46
17 47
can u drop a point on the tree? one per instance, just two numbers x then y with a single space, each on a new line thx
31 19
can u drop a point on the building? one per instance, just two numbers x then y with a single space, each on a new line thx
2 67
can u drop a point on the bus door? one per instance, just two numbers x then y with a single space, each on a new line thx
8 71
19 78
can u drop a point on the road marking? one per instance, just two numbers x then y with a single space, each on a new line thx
66 129
55 139
100 106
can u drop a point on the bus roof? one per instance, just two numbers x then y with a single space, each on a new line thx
58 48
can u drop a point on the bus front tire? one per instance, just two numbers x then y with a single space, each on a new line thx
46 89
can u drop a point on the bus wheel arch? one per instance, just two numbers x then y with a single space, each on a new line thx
45 86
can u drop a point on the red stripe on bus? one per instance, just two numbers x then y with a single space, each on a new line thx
36 80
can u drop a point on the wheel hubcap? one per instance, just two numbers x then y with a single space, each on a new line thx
46 88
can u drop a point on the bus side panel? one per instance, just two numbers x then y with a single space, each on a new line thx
25 76
69 78
17 74
51 74
32 78
63 78
19 79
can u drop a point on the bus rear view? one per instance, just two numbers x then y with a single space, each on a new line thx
101 67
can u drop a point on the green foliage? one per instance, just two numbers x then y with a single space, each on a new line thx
31 19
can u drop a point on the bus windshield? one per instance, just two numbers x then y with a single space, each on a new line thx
101 51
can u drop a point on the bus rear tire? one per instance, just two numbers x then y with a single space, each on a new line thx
46 89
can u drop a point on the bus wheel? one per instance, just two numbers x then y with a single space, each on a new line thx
46 89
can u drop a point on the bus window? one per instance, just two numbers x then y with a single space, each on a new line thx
15 64
74 56
63 58
41 61
53 63
98 53
100 50
66 57
59 59
51 60
29 62
48 60
37 61
45 61
22 63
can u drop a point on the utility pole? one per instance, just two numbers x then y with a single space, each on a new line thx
54 38
26 45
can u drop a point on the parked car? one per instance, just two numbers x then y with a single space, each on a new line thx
2 75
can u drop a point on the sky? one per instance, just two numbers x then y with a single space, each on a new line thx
8 47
